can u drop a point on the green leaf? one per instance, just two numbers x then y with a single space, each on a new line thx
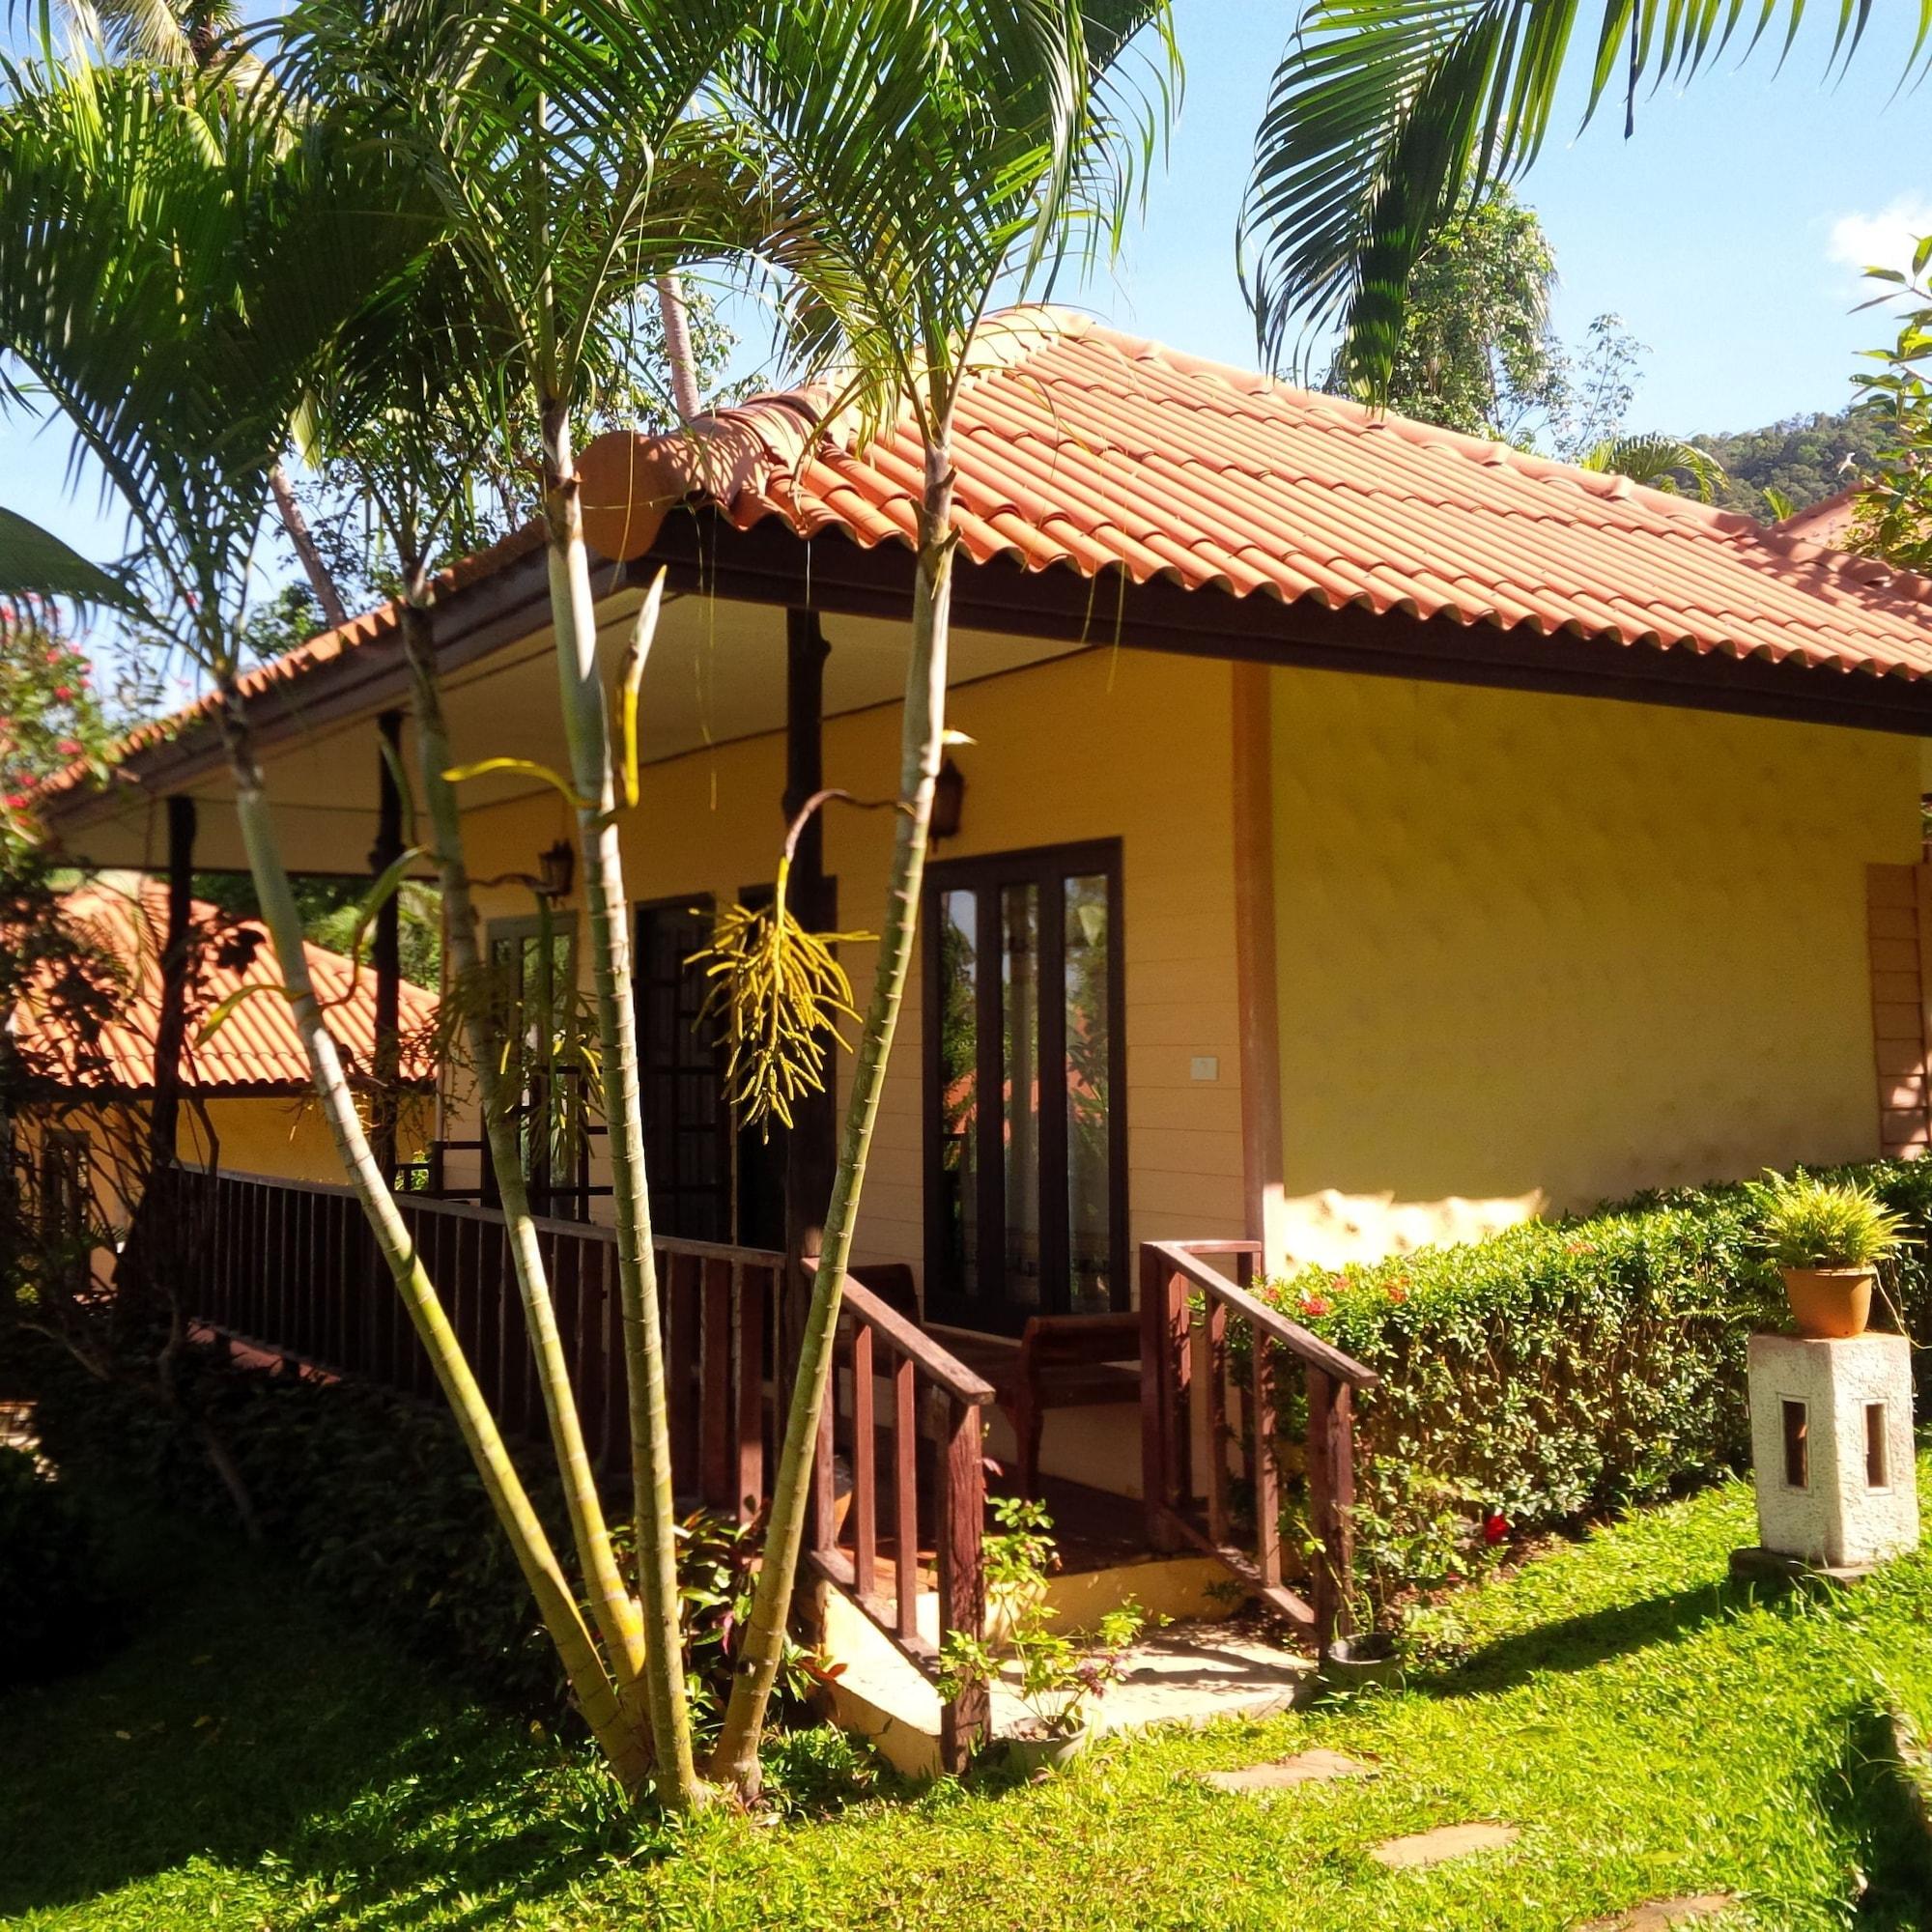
529 767
34 562
380 895
219 1017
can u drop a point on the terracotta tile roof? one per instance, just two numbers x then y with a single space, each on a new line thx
321 649
1079 445
1082 446
256 1046
1829 521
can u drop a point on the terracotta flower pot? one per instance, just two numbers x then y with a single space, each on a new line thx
1829 1303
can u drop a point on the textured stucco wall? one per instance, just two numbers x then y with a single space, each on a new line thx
1532 942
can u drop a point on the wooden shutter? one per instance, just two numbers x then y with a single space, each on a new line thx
1898 918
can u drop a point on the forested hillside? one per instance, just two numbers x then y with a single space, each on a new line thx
1807 457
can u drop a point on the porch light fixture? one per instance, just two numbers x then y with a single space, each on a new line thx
949 800
554 868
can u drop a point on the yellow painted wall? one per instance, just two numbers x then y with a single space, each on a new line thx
1096 745
1562 943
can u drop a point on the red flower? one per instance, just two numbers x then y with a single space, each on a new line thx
1494 1529
16 801
63 693
68 747
1397 1291
1315 1305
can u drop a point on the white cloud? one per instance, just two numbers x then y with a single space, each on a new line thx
1884 240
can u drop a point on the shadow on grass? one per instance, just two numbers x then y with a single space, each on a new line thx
1578 1644
1863 1793
244 1725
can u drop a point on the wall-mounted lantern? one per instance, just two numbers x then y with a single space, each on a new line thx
555 867
949 801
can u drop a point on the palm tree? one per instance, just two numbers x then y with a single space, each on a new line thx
1658 461
919 160
171 268
1385 117
568 163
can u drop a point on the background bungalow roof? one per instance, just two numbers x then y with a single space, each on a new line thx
256 1048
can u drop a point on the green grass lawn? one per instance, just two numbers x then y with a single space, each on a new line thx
246 1761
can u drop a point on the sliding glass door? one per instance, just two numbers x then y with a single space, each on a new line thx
1025 1122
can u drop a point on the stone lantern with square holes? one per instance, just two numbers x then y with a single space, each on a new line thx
1832 1451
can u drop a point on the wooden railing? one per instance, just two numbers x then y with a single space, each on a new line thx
1185 1385
933 1441
290 1266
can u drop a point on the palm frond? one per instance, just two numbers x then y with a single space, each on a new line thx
1385 117
1658 461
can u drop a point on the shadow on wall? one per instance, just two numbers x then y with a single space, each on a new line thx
1332 1228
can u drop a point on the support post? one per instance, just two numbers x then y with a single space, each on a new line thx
388 950
962 1476
171 1021
1256 963
812 1145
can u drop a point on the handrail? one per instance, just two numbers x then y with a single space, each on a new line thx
910 1339
1291 1335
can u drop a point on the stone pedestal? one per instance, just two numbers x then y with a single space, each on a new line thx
1831 1453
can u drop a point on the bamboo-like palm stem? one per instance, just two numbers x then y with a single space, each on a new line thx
589 1682
735 1759
586 725
613 1608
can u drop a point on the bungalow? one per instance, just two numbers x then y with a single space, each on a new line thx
83 1144
1367 833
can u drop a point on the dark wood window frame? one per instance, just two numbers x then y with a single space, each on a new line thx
987 876
667 1188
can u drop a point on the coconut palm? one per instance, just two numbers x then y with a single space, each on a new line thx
1385 117
171 268
922 161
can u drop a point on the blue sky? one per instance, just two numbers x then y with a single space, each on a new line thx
1726 233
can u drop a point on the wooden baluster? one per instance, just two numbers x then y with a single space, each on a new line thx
754 1297
824 1535
716 1474
616 1457
1213 1334
1267 1467
961 1517
865 1495
905 1495
683 1363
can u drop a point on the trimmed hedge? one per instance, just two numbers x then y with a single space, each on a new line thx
1562 1368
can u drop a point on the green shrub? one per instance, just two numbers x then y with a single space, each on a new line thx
1564 1368
54 1607
372 1496
1808 1223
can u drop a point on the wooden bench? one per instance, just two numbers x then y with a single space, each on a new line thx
1063 1361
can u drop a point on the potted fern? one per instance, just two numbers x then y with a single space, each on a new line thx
1825 1239
1054 1674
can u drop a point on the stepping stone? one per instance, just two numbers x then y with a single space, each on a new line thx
1658 1915
1446 1841
1309 1767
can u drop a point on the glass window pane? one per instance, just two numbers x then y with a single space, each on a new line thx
1020 978
958 1089
1088 1030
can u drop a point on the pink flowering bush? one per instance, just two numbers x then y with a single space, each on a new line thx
50 716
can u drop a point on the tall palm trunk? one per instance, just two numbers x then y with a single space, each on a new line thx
590 1683
586 725
613 1608
920 746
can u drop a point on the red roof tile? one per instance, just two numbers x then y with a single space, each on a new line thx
1079 445
256 1046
